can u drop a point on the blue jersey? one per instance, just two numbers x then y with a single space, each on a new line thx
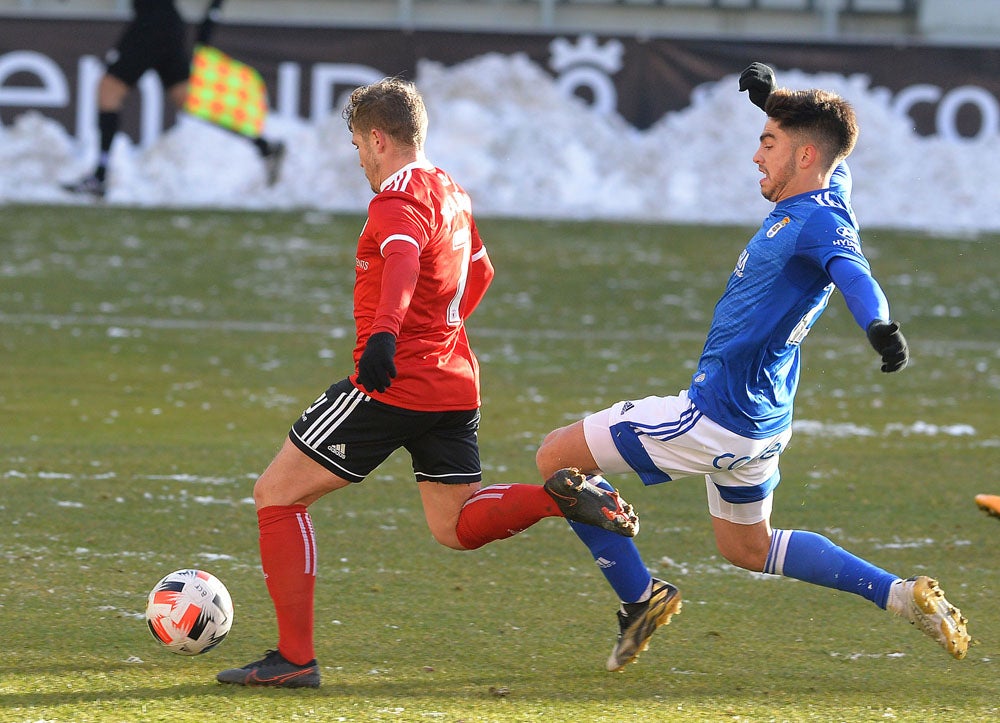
749 368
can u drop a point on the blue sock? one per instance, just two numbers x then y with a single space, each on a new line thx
810 557
616 555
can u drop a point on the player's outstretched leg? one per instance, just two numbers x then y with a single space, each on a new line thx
989 504
581 501
638 621
921 601
273 671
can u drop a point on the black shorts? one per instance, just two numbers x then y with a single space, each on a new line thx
351 434
156 42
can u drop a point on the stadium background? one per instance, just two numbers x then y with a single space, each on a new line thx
637 59
937 20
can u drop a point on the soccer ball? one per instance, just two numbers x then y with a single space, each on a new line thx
189 611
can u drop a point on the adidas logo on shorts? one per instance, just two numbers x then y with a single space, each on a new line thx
338 449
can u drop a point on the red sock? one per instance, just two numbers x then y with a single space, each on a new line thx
288 556
500 511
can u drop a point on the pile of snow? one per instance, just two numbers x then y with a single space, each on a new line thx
523 148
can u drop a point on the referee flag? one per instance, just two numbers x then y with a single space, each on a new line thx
226 92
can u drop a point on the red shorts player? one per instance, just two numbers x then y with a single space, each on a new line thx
421 270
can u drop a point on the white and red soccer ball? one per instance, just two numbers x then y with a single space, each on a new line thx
189 612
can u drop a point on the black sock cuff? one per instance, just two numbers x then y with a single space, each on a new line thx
107 124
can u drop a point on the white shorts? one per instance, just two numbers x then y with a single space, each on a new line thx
667 438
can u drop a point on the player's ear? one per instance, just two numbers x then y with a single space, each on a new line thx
379 139
808 155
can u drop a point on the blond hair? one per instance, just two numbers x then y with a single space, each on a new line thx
392 105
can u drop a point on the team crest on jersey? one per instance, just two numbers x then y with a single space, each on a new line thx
773 231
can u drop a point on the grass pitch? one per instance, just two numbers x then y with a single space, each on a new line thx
153 360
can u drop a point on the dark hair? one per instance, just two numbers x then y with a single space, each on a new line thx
824 118
391 105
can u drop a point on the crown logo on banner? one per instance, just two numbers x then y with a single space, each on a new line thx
586 52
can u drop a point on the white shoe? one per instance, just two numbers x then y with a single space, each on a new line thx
921 601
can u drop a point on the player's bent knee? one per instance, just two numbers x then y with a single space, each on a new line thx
262 495
743 545
448 538
541 456
746 558
549 457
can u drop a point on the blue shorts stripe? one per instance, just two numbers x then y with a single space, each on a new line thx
670 430
743 494
630 448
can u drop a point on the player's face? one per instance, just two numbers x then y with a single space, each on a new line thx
367 158
775 158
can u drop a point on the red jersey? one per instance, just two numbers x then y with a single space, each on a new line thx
421 269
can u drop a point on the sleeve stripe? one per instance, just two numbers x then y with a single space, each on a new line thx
398 237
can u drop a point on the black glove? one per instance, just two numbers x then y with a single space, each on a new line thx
888 341
376 368
758 81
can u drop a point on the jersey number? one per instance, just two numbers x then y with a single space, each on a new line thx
805 323
461 240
